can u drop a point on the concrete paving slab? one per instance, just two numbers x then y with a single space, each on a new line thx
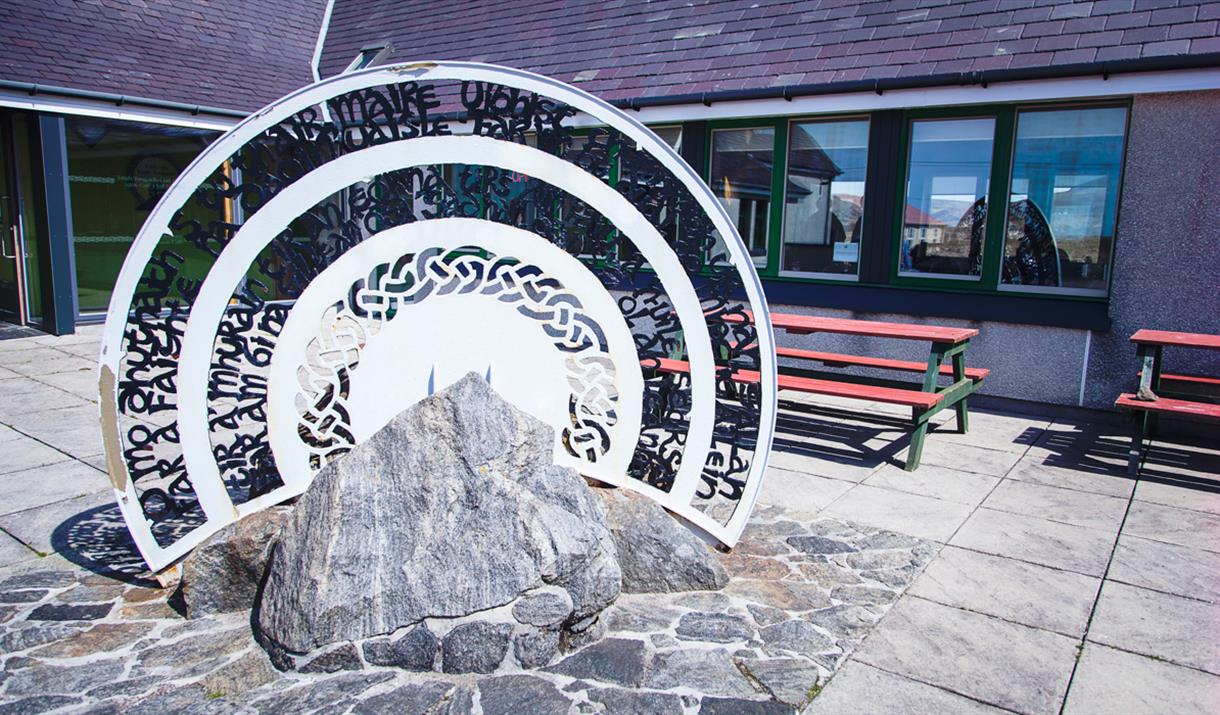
20 385
13 552
1174 462
45 361
75 430
50 483
860 689
1039 541
933 481
1181 496
1159 625
1099 474
14 407
1025 593
82 383
1113 681
1179 570
25 455
921 516
991 431
824 461
985 658
1176 526
806 494
966 458
35 527
1069 506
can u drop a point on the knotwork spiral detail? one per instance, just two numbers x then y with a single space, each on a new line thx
349 325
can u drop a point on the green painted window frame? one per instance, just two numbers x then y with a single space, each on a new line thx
997 195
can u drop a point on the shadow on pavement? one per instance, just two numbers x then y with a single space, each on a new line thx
97 540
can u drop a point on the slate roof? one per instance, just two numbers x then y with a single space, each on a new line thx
624 49
234 54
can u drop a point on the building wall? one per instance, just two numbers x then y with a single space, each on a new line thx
1167 257
1166 273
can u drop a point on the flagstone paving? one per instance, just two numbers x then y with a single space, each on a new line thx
1019 570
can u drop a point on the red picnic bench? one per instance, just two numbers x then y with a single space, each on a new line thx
925 400
1155 383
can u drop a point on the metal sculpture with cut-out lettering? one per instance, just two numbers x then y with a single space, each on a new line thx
370 238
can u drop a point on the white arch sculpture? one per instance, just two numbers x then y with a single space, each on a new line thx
326 366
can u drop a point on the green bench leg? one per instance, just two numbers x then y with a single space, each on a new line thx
959 374
1137 443
921 431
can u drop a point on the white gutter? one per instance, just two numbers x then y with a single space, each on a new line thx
80 106
1118 85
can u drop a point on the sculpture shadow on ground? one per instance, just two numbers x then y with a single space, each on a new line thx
97 540
837 435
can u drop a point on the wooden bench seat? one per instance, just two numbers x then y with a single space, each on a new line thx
976 374
812 385
1166 405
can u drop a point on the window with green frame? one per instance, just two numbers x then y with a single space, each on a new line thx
994 199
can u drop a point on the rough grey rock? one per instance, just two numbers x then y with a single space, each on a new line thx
345 657
535 647
615 660
636 702
38 704
64 612
820 545
741 706
409 698
548 606
797 636
715 627
480 516
789 680
657 554
223 573
475 647
416 650
517 694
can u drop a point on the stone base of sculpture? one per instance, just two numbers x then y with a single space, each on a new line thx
447 541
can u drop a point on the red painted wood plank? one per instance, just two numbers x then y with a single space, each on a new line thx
1193 379
974 373
1169 337
1167 405
873 393
805 324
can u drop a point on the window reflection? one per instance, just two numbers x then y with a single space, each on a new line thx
1064 197
742 162
945 215
117 173
824 197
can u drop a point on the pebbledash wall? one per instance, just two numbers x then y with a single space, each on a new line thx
1166 273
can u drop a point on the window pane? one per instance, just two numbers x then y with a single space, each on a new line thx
1065 175
945 216
670 135
824 197
742 160
117 173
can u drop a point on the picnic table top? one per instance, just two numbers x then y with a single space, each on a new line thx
1169 337
801 324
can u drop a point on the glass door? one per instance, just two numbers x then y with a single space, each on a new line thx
12 270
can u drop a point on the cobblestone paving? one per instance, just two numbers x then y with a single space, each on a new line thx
1058 584
802 596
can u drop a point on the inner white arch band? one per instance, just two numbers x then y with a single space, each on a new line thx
513 362
261 228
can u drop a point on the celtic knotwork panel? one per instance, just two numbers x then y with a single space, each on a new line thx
350 324
219 271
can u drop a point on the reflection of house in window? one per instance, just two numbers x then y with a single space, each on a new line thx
919 227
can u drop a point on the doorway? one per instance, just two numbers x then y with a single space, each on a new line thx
21 283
